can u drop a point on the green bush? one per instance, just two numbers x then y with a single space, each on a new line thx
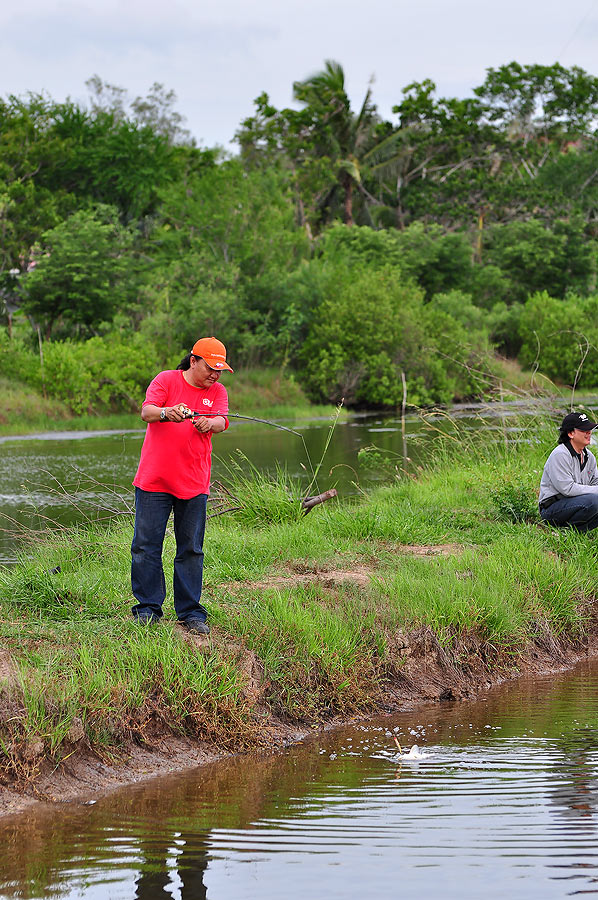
561 338
374 324
536 258
516 501
98 375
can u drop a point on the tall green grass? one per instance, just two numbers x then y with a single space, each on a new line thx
499 578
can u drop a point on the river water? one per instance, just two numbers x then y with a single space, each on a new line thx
70 477
505 804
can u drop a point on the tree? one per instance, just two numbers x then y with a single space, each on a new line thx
537 99
111 160
29 149
448 169
84 272
155 110
484 157
339 134
328 148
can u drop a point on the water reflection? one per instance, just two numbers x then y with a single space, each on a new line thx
505 804
576 793
179 863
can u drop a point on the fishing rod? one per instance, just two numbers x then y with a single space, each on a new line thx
194 414
309 501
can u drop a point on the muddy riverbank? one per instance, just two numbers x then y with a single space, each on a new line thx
428 673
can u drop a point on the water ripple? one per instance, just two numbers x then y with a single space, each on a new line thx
504 805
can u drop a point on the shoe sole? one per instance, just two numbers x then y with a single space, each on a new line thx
192 630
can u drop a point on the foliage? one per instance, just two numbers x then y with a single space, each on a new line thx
370 326
112 220
83 273
561 338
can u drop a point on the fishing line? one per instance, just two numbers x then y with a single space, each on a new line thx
192 414
578 27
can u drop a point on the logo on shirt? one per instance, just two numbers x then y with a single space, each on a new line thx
207 402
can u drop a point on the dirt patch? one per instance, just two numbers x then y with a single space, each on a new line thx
360 575
430 549
9 674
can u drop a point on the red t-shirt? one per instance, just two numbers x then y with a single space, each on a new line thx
175 457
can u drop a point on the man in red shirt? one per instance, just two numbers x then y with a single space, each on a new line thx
174 474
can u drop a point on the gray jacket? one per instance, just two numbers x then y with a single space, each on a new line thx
563 475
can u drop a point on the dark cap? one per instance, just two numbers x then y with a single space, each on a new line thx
577 420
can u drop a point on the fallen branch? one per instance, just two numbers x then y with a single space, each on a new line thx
309 502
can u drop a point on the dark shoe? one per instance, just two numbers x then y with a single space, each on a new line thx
146 618
196 626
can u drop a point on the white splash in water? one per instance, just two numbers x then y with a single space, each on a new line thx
414 753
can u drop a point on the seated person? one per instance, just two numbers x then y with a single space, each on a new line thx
569 486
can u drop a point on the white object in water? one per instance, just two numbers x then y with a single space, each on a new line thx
414 753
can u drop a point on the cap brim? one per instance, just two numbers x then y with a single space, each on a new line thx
218 366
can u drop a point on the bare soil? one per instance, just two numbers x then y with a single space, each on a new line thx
424 671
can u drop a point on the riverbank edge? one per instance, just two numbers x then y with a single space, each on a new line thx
428 675
261 393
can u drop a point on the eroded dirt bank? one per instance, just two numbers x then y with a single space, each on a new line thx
427 672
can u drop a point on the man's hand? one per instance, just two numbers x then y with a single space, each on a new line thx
176 413
152 413
203 424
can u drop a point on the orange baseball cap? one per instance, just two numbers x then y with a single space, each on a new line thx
212 351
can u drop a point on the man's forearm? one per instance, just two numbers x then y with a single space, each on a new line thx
218 424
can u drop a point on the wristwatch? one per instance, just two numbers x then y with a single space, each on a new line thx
162 415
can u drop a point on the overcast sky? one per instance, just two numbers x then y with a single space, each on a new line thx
218 56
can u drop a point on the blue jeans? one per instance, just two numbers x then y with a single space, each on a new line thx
579 512
152 509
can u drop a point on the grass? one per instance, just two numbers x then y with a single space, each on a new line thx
324 648
265 393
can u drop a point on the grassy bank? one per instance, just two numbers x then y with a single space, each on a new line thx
310 614
265 393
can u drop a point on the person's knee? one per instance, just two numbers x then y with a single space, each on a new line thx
591 504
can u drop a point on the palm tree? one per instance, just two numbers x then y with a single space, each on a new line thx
349 140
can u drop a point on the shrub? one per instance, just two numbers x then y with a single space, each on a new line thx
100 374
561 337
516 501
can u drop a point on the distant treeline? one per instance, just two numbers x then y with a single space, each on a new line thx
358 252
